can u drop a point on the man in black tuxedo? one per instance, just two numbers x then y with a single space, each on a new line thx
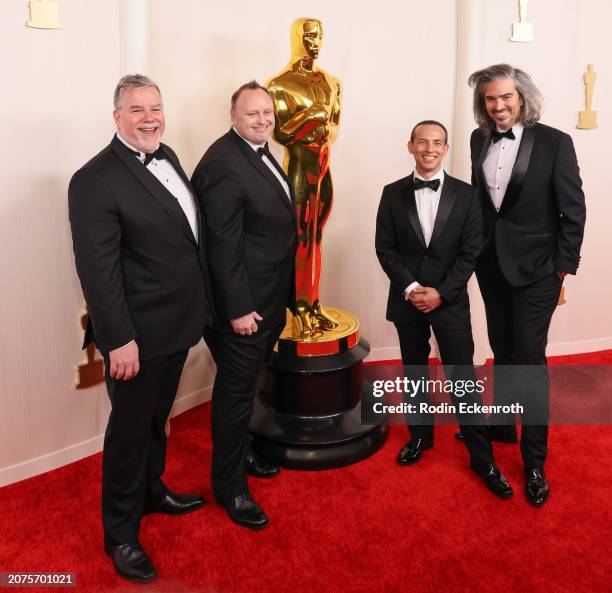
251 243
137 238
533 221
427 241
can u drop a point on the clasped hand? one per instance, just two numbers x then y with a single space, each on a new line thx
425 298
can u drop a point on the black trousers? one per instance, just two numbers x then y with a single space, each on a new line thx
134 455
518 320
239 361
456 348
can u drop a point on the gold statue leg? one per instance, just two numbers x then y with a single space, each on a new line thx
314 184
325 196
321 318
302 322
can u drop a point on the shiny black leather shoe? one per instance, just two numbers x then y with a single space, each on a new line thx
245 511
502 434
413 450
259 467
131 562
536 488
496 482
174 504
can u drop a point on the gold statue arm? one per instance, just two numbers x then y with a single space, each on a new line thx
334 120
315 115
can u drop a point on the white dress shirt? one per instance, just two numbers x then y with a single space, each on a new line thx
498 164
269 164
427 202
171 180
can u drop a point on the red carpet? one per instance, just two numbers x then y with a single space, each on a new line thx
372 527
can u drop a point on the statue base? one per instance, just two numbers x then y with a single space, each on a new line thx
307 410
522 32
587 120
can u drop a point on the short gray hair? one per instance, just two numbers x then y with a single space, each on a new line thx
131 81
527 90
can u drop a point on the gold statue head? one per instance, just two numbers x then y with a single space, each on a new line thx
306 37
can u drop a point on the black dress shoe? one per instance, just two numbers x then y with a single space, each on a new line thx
174 504
536 487
502 434
412 451
496 481
245 511
260 468
131 562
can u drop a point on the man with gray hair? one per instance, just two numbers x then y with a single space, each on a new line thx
533 221
137 237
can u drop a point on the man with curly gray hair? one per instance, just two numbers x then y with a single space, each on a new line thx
533 221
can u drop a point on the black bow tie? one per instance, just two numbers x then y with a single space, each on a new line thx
422 184
497 136
159 154
265 150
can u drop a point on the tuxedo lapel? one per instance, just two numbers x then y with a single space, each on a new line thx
177 167
517 178
480 176
256 161
447 199
156 189
409 203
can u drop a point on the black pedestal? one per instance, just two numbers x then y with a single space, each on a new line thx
307 412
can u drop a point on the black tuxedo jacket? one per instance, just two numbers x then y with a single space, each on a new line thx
142 271
446 264
539 227
250 233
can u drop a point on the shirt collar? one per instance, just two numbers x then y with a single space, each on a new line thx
255 147
517 130
439 175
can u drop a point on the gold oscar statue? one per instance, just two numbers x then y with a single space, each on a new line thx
91 371
307 105
522 31
587 119
309 410
43 15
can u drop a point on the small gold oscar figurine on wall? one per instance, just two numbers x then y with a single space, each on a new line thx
44 15
307 105
587 119
522 31
90 372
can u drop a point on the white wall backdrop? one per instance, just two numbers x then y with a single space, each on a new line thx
399 62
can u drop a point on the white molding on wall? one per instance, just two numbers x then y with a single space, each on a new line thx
390 353
554 349
135 36
44 463
468 59
191 400
55 459
584 346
